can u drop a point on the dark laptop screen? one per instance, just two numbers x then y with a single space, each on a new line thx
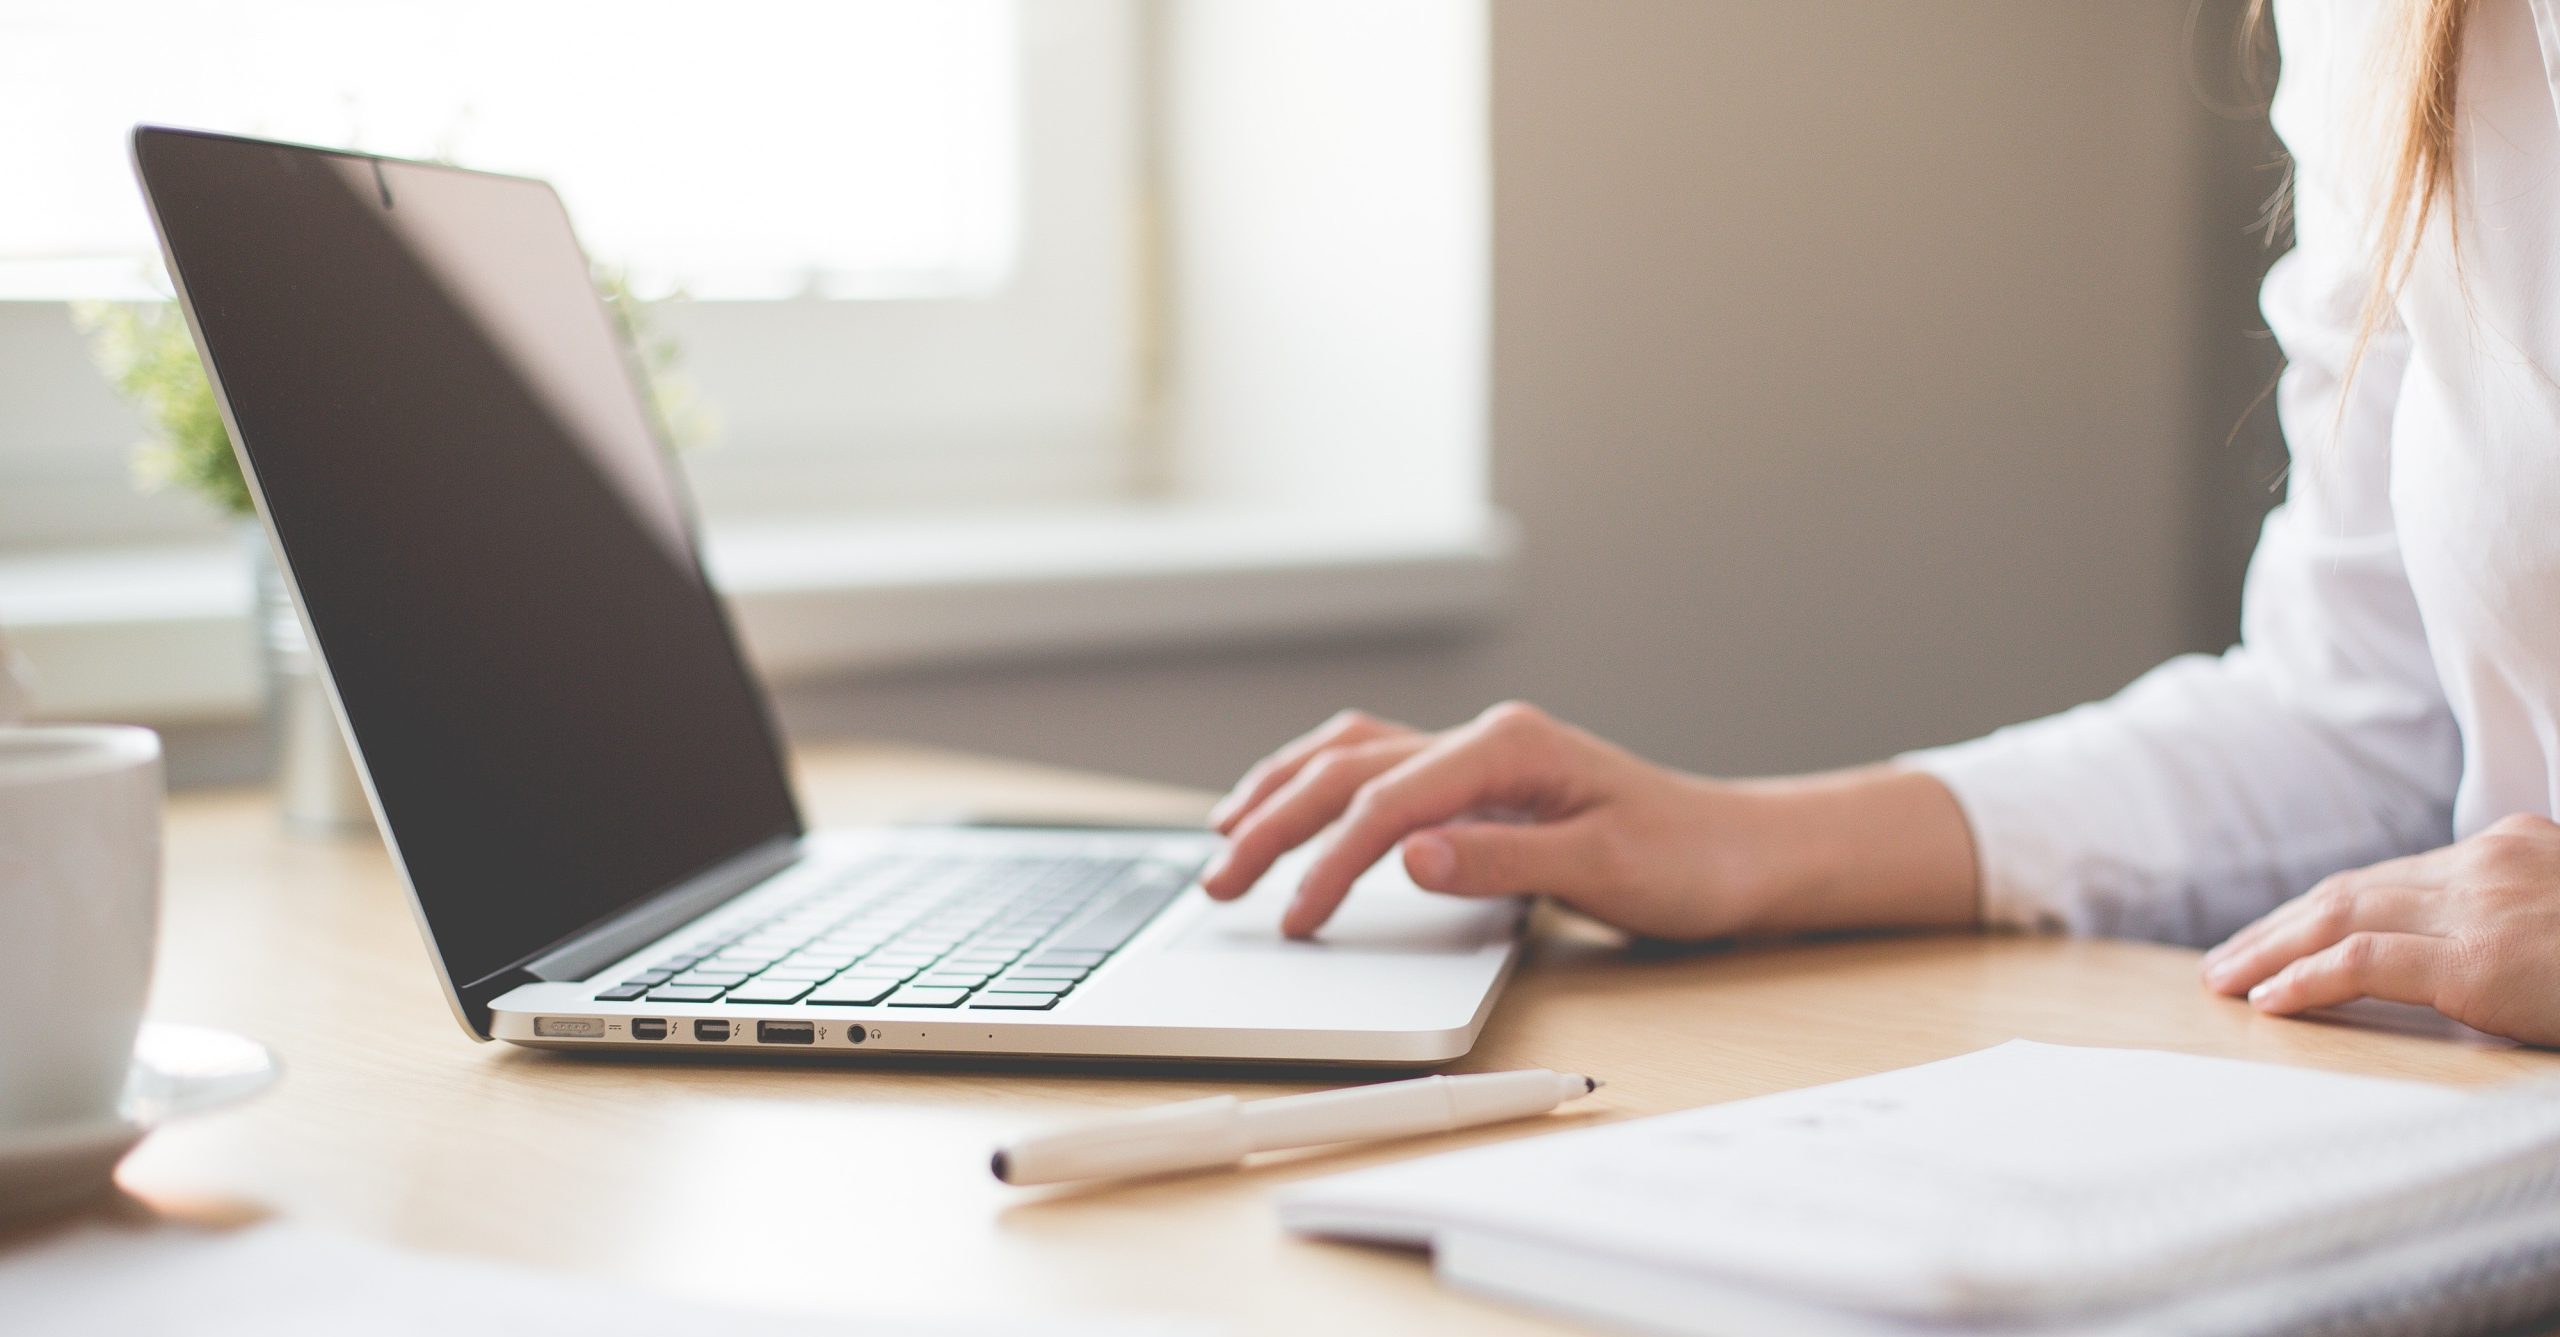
486 531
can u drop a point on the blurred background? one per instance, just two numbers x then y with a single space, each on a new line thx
1129 384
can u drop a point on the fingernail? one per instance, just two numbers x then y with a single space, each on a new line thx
1217 869
2261 991
1294 922
1432 861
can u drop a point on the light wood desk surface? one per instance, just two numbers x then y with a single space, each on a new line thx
860 1189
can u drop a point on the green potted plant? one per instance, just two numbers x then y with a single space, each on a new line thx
146 350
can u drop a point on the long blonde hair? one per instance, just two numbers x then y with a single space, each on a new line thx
2419 72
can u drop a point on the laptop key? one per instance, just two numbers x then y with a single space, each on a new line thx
951 979
723 978
622 993
685 993
1025 1002
765 990
915 996
847 990
1117 921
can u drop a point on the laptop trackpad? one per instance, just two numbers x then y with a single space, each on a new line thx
1385 914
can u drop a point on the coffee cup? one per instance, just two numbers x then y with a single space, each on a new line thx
79 915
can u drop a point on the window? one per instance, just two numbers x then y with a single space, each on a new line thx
903 226
1186 300
856 148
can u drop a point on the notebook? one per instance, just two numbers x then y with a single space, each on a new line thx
2027 1188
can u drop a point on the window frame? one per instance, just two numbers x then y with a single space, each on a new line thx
820 405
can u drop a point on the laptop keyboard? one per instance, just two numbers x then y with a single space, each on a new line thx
1012 933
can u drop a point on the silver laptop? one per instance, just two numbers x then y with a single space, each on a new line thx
579 780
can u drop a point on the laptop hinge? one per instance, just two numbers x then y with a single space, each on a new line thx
662 914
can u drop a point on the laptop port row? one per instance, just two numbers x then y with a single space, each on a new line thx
767 1032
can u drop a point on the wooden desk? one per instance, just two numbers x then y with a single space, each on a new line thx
859 1189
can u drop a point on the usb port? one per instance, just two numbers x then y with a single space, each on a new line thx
787 1032
649 1028
711 1030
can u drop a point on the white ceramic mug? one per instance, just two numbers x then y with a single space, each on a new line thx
79 914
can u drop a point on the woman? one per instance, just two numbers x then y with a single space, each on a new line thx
2353 802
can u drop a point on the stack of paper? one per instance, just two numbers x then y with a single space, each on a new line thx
2028 1188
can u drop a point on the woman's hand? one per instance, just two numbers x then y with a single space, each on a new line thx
1516 802
2471 930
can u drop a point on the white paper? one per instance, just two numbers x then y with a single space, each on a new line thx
283 1281
2490 1276
1898 1191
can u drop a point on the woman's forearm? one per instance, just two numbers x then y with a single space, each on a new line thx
1874 847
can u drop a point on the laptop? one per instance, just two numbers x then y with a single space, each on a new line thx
576 774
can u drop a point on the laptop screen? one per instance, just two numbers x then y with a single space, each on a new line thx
488 536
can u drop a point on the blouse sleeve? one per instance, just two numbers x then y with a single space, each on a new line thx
2213 788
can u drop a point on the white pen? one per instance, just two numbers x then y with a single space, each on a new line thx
1222 1130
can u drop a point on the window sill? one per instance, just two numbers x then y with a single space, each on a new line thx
163 635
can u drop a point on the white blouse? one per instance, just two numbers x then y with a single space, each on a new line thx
2397 684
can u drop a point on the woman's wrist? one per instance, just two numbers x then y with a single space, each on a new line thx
1873 847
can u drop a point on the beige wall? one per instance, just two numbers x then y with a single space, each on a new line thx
1862 374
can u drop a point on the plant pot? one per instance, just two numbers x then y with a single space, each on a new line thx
318 794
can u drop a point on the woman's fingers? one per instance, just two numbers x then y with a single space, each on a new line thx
1348 728
2467 930
2401 967
2427 871
1306 803
2318 920
1495 762
1501 858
